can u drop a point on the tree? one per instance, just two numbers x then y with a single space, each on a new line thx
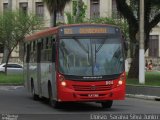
120 23
78 14
80 11
13 28
55 6
152 18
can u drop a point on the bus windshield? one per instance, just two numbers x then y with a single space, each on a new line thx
91 56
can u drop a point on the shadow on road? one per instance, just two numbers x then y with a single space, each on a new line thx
84 107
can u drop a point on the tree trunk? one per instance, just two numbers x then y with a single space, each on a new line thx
5 54
54 19
134 69
10 51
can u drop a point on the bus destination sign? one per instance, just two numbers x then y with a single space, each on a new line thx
87 30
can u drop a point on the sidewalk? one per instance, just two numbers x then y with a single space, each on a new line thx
145 97
143 92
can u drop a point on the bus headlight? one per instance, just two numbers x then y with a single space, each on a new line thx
122 77
120 82
62 80
63 83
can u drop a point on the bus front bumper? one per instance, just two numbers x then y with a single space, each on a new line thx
68 95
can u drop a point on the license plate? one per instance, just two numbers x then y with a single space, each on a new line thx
93 95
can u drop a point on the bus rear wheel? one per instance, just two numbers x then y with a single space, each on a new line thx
107 104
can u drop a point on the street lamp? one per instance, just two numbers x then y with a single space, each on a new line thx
141 45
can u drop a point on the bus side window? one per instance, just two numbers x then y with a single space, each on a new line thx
24 52
46 43
53 50
28 53
39 45
34 45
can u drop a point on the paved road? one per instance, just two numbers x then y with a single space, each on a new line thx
16 101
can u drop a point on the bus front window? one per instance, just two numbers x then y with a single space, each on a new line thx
91 56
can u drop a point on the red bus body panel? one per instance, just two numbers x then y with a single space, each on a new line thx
76 90
90 91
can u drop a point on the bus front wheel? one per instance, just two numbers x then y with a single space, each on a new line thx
107 104
52 102
35 96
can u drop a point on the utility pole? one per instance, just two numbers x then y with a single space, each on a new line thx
141 43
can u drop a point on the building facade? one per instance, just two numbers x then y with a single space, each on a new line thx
27 6
95 9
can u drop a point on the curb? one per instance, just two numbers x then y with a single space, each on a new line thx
145 97
11 84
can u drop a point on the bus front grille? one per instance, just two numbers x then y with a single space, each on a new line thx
92 87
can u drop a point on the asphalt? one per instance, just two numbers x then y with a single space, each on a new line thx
138 96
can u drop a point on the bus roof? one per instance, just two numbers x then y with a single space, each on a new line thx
54 30
41 34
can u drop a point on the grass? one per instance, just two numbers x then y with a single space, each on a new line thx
151 78
11 79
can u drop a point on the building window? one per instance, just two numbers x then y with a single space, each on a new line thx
23 7
5 6
94 9
40 9
154 46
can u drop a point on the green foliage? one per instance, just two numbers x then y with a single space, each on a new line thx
122 24
152 78
74 8
78 16
81 13
14 26
13 79
70 18
131 13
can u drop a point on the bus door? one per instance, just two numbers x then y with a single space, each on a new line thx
39 68
26 67
54 82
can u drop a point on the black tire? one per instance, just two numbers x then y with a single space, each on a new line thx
34 96
52 102
107 104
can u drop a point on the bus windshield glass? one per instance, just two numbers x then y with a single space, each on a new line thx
91 56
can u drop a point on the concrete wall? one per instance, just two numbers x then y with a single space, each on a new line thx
105 8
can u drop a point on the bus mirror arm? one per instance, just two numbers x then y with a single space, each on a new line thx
126 45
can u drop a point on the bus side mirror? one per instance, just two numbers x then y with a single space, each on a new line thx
126 45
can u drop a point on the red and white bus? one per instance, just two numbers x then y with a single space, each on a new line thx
76 63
